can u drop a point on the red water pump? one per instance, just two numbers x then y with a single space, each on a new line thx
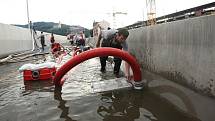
44 71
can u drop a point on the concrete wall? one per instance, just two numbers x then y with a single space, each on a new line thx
16 39
182 51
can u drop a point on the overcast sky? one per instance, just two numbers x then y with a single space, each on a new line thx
84 12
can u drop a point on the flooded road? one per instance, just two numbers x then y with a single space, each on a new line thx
40 101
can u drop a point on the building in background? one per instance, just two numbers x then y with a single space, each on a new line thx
98 26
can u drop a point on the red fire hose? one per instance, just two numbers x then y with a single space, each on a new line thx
98 52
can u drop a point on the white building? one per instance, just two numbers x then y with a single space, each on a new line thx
98 26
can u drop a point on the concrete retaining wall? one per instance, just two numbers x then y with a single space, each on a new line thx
16 39
182 51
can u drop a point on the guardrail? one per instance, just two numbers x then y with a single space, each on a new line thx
206 9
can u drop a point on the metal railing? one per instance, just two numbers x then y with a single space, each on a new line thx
206 9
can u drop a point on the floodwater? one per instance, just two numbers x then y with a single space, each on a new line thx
40 101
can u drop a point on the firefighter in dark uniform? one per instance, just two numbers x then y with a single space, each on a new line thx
115 39
42 40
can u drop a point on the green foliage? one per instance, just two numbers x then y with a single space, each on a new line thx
51 27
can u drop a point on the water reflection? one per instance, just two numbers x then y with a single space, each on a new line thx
142 105
48 86
62 106
40 86
118 107
121 105
166 89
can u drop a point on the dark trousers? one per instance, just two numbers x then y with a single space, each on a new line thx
42 43
117 63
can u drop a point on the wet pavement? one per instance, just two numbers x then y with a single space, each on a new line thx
162 100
